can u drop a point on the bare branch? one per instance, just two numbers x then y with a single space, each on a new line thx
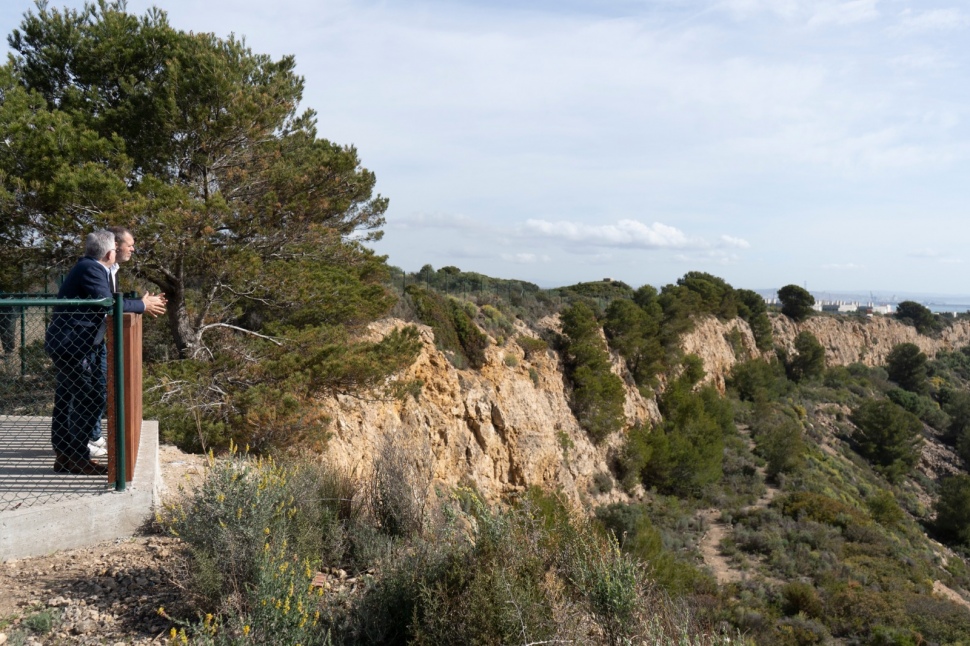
239 329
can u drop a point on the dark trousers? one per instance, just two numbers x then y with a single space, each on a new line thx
102 358
79 398
8 328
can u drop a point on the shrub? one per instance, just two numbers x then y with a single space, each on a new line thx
854 611
820 508
953 510
598 394
398 494
922 406
809 360
43 622
453 327
284 612
637 536
752 308
611 583
736 342
796 302
798 597
633 332
888 436
520 579
758 380
906 365
837 377
919 316
496 322
602 482
884 508
778 439
532 346
473 341
686 451
238 507
530 573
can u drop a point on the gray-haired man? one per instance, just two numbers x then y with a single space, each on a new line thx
153 304
73 340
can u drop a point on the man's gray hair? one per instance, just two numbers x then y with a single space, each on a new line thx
98 244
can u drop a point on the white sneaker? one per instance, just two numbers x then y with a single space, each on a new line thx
100 442
97 451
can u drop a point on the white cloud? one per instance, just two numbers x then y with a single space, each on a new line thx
432 221
924 253
922 61
933 20
843 13
625 233
524 258
732 241
814 13
703 258
783 8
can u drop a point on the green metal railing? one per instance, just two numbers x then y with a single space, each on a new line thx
28 379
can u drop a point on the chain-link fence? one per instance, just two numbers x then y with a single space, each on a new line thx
53 398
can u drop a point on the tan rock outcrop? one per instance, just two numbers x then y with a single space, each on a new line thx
867 340
846 339
502 429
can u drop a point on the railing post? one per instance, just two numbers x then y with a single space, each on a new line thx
23 341
118 324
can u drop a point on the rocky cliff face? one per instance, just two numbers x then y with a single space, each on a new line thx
502 428
867 340
508 426
845 339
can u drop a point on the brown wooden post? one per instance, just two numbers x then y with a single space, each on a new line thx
133 404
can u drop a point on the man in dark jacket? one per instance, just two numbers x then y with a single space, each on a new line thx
74 341
153 304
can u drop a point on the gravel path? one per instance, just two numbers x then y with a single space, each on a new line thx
107 593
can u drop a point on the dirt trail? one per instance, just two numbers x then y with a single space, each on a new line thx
713 559
718 530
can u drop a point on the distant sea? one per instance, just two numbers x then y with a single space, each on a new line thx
949 307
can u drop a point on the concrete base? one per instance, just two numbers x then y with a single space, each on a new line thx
76 522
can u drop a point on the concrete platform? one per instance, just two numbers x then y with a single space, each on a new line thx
26 458
42 512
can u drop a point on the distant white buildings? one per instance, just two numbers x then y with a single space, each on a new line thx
846 307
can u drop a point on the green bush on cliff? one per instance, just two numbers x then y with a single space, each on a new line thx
953 510
684 453
888 436
598 394
634 332
454 330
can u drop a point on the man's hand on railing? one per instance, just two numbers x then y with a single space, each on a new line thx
154 303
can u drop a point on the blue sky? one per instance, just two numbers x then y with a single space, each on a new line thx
817 142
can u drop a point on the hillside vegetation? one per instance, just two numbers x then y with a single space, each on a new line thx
803 505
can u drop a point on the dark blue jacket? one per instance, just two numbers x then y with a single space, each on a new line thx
78 329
